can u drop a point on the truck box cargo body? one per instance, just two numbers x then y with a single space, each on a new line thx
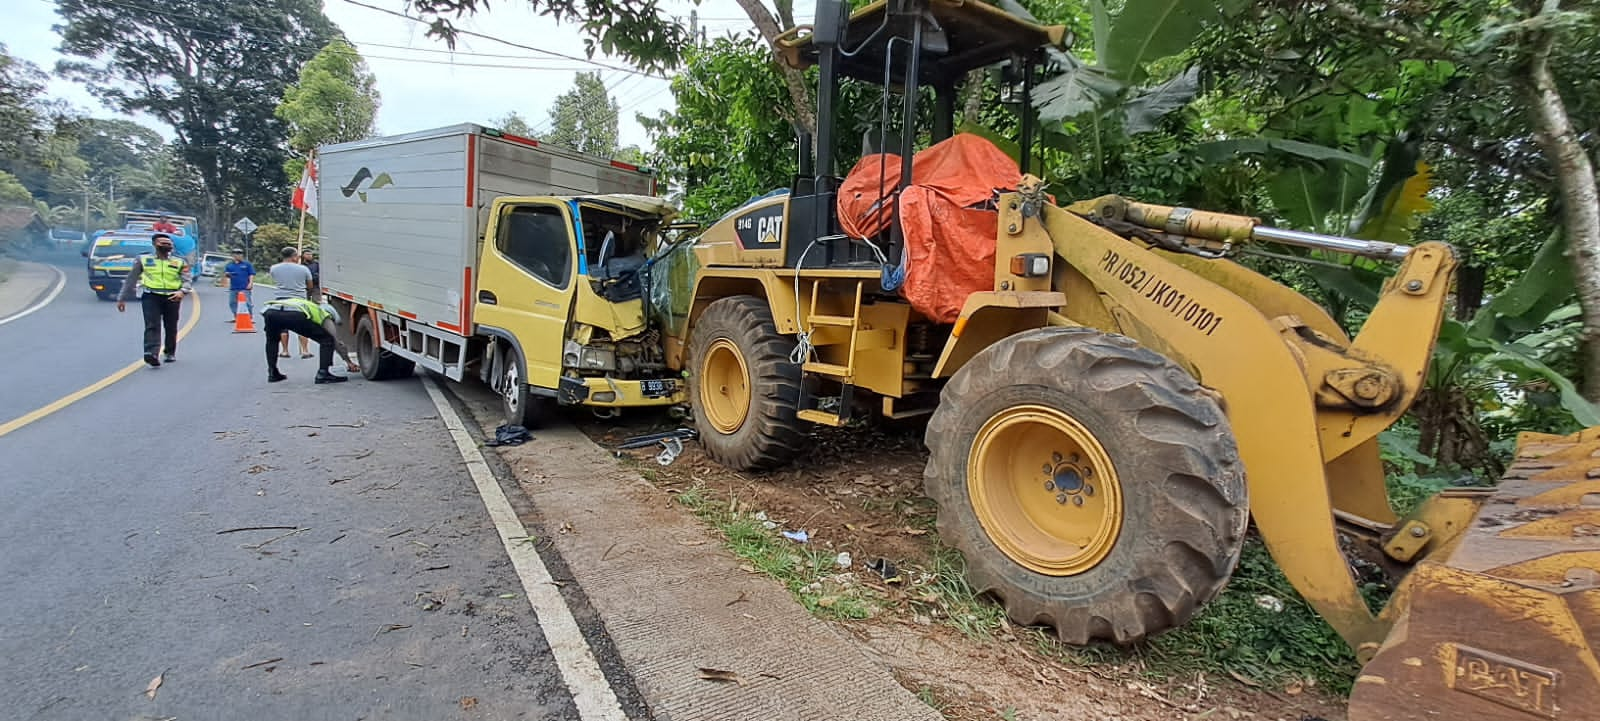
549 304
401 216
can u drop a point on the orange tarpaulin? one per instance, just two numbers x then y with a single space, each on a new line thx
945 216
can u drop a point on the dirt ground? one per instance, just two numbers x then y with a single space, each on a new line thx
860 491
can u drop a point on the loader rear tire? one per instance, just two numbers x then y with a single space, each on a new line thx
1090 483
743 386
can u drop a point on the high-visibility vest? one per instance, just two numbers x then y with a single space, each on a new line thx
311 310
162 275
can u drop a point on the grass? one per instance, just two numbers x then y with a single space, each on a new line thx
1258 631
809 572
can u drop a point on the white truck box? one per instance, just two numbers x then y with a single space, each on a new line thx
400 217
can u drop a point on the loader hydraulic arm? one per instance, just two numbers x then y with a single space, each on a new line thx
1205 232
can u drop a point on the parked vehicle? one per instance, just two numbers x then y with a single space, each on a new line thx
471 252
211 264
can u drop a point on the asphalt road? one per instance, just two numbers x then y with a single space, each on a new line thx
375 588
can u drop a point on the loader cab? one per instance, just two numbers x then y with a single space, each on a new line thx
562 276
914 53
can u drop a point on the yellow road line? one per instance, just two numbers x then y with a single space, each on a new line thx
86 391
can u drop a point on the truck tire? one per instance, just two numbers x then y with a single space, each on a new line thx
378 364
1090 483
520 405
743 386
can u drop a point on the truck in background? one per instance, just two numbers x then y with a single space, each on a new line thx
470 252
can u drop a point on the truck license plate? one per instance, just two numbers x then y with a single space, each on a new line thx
657 388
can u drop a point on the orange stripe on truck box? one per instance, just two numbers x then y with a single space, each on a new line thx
469 296
345 296
449 326
412 316
624 166
530 142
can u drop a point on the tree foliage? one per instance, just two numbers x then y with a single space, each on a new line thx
513 123
584 118
212 71
335 100
638 30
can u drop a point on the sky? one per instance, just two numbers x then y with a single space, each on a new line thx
424 85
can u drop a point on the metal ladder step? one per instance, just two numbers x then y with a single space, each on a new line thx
842 321
822 417
827 369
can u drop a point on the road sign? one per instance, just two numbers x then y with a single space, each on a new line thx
246 226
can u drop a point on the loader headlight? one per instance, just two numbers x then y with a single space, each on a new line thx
1030 265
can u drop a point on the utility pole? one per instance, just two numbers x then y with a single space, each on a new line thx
86 207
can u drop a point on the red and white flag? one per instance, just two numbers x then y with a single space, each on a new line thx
305 194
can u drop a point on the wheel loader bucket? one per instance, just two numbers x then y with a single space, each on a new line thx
1504 624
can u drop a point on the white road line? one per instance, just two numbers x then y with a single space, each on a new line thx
61 282
591 693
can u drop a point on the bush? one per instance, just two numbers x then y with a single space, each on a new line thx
269 241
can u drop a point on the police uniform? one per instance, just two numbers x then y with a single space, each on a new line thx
304 318
164 283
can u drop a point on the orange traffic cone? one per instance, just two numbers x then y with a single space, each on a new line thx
242 322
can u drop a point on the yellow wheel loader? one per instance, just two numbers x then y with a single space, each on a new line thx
1116 399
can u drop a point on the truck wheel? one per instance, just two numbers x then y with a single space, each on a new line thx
378 364
521 407
743 386
1091 484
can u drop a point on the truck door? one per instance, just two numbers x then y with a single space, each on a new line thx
527 274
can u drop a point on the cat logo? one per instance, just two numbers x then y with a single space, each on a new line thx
769 229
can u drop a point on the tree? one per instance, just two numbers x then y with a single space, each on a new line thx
334 101
585 118
638 30
21 88
13 192
1503 92
213 71
514 123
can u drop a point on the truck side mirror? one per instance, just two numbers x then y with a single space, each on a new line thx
832 15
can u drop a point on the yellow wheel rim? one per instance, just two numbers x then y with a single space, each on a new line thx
725 386
1044 490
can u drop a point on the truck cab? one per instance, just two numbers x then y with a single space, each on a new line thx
563 281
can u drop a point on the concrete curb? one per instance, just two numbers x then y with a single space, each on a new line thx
673 601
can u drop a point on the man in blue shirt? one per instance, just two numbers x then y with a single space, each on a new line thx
241 277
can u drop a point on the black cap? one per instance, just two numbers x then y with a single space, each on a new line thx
158 237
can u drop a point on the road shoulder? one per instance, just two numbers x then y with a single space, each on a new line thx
673 602
25 284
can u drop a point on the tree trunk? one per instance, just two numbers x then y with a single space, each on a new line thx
1580 201
799 96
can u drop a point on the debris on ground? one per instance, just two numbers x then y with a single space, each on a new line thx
509 434
716 674
155 683
799 536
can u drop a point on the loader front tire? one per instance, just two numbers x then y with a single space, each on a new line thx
743 386
1090 483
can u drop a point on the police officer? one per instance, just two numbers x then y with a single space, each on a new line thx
165 284
305 319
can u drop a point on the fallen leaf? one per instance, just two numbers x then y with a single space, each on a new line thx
914 531
155 683
468 702
1294 688
714 674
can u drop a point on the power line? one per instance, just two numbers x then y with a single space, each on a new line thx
503 41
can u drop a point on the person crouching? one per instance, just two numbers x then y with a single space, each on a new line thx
305 319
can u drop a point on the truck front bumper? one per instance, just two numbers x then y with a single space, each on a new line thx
613 393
